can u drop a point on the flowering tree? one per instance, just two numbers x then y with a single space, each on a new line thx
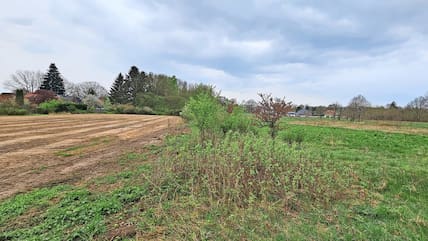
270 110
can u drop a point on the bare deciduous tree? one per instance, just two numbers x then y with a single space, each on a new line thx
93 88
250 105
357 106
81 90
418 105
337 109
27 80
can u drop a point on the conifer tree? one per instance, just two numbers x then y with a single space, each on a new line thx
19 98
135 83
53 81
119 91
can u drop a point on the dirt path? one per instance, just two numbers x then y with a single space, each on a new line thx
41 150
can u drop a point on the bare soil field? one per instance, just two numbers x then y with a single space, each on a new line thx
38 151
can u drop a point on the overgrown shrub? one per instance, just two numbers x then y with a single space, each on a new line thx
167 105
240 170
238 120
92 102
205 113
145 110
55 106
124 109
10 107
291 137
174 104
48 106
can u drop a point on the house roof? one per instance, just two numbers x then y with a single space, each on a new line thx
302 112
6 96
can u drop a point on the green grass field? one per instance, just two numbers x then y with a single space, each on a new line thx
315 183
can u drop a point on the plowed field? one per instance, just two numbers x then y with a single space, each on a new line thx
42 150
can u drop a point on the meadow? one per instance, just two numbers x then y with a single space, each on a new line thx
313 182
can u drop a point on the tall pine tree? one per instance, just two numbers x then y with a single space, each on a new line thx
52 80
119 91
135 83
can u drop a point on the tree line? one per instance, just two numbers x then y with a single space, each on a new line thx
156 93
140 92
32 81
135 92
359 108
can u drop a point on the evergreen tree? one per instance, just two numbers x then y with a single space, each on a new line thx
19 98
119 91
53 81
135 83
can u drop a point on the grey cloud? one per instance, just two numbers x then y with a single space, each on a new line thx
295 48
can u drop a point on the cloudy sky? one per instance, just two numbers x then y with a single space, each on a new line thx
310 51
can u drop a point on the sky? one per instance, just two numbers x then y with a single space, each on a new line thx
312 52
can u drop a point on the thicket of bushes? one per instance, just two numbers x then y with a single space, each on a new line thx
10 107
57 106
231 160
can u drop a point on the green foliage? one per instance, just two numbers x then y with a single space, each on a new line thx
145 110
166 86
164 95
169 105
49 106
56 106
77 215
119 91
151 100
17 205
340 184
241 169
290 137
238 120
174 104
53 81
19 98
12 108
205 113
107 104
124 109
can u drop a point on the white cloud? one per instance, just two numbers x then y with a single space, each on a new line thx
212 76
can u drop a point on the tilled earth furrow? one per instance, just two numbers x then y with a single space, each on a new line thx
41 140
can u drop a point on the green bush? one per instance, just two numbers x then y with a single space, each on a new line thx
205 113
13 111
145 110
12 108
174 104
290 137
55 106
167 105
48 106
238 120
150 100
124 109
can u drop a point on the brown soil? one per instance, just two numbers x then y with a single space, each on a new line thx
39 151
